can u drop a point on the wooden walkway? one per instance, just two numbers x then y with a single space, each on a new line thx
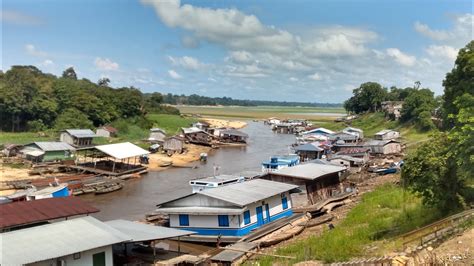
104 172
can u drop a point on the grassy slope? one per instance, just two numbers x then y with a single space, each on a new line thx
382 214
170 123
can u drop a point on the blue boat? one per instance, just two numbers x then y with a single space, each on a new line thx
280 162
385 171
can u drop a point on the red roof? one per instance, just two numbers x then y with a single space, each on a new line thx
42 210
110 129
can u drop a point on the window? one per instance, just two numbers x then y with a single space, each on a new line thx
223 220
284 203
246 217
183 220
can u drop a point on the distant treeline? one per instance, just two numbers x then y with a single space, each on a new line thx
194 99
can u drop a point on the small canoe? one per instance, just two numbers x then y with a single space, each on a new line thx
109 189
166 164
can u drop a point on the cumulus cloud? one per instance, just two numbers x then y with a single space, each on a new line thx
400 57
18 18
315 76
293 79
47 63
240 57
245 71
173 74
443 51
32 50
106 64
187 62
190 42
457 36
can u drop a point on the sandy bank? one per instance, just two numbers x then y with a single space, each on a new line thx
193 153
10 174
225 123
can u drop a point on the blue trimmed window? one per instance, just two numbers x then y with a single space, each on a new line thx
284 203
246 217
183 220
223 220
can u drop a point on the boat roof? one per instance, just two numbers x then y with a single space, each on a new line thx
81 133
56 240
309 171
35 211
122 150
217 179
140 232
47 190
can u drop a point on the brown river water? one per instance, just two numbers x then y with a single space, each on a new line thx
140 196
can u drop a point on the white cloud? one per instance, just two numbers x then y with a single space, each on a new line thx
245 71
240 57
187 62
400 57
293 79
442 51
190 42
460 34
315 76
212 79
32 50
173 74
47 63
105 64
18 18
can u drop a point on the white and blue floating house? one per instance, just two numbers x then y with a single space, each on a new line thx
232 210
280 162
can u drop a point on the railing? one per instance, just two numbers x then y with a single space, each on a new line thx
436 229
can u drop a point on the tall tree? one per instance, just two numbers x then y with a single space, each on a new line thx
69 73
458 82
368 97
104 82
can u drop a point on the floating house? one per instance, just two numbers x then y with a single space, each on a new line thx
232 136
354 131
342 137
347 161
214 181
280 162
157 135
49 192
272 121
203 125
47 151
197 136
106 132
319 181
384 146
309 151
78 138
229 212
174 144
318 131
386 134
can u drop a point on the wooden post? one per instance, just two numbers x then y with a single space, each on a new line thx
179 246
113 167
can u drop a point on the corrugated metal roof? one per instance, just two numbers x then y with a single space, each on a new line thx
385 131
53 146
81 133
352 129
247 192
308 147
200 210
122 150
375 142
144 232
347 158
309 171
57 240
189 130
35 211
343 136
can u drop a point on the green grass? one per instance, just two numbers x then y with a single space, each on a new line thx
25 137
172 124
382 214
262 112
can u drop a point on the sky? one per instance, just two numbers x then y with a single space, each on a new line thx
301 50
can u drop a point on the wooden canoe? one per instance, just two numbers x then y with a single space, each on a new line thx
109 189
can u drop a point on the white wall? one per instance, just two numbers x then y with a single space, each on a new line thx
204 221
86 258
275 208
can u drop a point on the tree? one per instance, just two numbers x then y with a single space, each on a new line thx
368 97
69 73
104 82
72 118
417 107
458 82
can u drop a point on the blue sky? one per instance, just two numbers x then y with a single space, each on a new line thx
308 51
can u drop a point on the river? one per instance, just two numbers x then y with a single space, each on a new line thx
140 196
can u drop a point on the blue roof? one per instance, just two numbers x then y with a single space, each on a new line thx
283 160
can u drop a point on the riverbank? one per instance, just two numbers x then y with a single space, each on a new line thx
161 161
218 123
